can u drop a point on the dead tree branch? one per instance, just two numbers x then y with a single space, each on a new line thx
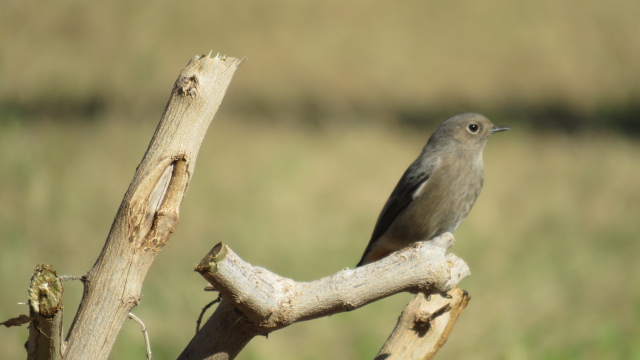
256 301
45 308
150 208
424 326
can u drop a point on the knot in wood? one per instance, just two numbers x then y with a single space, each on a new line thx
187 86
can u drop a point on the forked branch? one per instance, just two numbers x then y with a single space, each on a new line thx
256 301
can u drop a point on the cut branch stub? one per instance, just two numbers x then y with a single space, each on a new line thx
209 263
45 292
45 308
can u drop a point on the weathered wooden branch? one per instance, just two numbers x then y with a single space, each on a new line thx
149 211
424 326
45 310
256 301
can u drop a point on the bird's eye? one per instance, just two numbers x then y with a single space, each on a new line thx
473 128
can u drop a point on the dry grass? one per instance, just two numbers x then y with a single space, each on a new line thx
552 241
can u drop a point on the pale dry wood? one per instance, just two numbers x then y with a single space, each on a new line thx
256 301
424 326
45 309
149 211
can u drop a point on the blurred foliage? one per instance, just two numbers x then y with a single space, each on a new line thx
307 147
575 62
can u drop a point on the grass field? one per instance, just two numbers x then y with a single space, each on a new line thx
334 101
552 242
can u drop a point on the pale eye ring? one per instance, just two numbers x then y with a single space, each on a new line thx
473 128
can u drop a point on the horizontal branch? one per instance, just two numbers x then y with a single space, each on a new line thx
265 301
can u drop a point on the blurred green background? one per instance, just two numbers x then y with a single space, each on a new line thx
334 101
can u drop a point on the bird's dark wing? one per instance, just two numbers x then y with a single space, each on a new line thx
415 176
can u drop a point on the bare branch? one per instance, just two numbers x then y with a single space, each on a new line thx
256 301
149 211
204 310
71 277
145 333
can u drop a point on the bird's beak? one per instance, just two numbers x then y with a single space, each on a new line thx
499 128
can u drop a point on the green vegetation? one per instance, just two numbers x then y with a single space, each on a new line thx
335 100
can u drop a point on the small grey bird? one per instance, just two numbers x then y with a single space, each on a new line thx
438 190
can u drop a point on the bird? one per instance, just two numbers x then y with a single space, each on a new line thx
437 191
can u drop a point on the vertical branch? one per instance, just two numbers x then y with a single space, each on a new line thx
149 211
45 308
